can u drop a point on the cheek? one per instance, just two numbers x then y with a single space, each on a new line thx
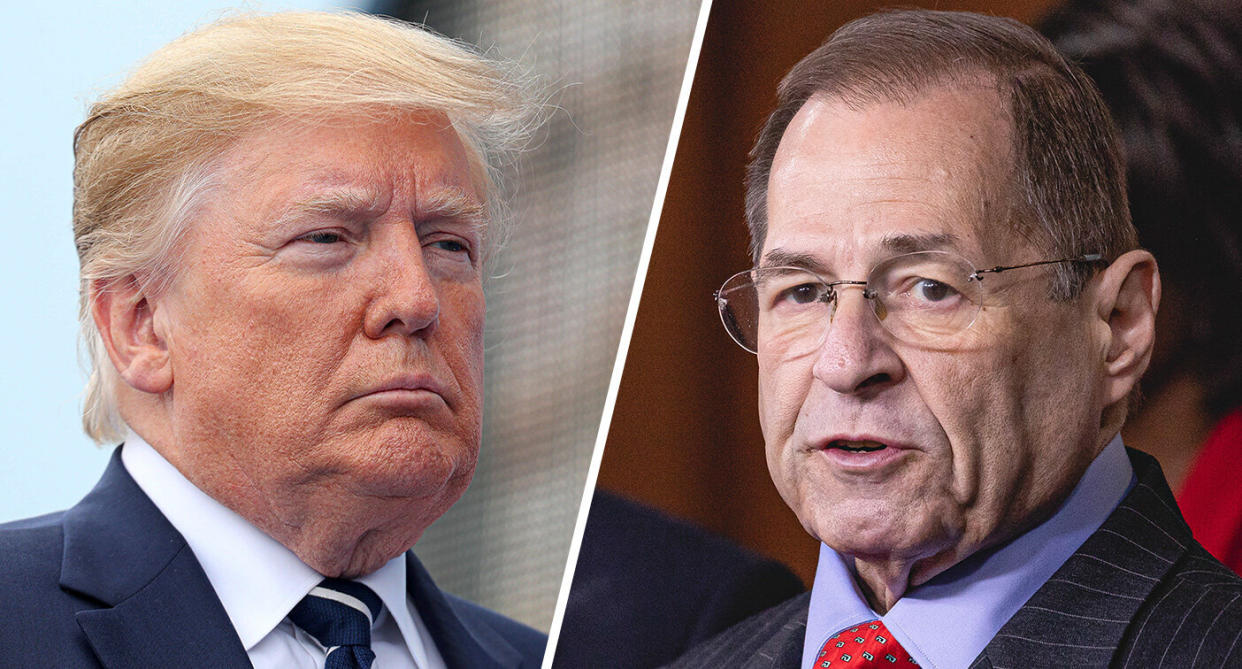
783 388
778 403
461 336
970 396
267 351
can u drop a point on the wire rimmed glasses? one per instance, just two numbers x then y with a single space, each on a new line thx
919 298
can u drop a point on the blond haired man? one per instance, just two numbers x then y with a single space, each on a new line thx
282 223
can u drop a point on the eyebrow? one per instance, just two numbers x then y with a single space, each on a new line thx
344 203
349 203
893 244
782 258
905 243
452 203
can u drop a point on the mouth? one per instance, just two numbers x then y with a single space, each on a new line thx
405 389
861 453
852 446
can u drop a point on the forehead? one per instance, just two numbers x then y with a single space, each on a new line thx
359 161
847 180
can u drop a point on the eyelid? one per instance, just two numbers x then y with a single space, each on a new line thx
468 236
342 235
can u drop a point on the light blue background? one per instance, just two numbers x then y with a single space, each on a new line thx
56 57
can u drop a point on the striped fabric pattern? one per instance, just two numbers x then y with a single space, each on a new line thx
1139 593
340 614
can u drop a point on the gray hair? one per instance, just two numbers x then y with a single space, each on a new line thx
1068 186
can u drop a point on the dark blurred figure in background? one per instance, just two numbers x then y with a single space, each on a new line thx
1171 74
649 587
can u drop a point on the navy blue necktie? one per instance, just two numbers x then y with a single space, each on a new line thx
339 614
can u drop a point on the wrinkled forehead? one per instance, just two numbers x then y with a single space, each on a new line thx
357 162
355 167
392 142
859 182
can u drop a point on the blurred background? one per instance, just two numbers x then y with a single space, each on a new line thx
555 311
555 308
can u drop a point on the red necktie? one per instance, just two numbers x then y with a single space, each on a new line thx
862 646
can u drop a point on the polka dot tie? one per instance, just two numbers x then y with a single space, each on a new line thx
861 646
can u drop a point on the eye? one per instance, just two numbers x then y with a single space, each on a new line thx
322 237
450 245
803 293
931 290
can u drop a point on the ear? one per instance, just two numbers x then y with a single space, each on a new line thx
126 320
1126 297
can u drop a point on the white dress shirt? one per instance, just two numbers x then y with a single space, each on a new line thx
259 581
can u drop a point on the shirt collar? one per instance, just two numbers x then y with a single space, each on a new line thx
980 593
257 579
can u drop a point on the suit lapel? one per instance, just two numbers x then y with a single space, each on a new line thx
784 649
1080 615
158 608
461 642
769 640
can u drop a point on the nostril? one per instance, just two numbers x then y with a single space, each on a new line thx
875 380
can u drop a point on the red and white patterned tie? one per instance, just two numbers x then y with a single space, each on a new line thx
862 646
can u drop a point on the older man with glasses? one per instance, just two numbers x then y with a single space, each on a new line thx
951 313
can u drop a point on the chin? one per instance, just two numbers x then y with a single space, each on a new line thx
876 529
414 462
372 551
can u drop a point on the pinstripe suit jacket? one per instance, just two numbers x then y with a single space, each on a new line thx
1140 592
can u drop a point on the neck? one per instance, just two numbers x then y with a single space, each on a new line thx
882 583
333 531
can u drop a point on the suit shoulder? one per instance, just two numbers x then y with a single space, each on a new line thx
776 635
1192 619
529 642
32 550
39 625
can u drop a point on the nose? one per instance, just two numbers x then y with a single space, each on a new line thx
854 357
405 297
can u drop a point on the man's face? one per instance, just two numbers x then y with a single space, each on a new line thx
325 328
982 430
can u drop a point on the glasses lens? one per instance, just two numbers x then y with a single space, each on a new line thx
778 309
923 297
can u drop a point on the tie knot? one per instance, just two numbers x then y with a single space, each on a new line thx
339 614
868 644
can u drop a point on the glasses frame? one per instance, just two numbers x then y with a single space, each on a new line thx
869 293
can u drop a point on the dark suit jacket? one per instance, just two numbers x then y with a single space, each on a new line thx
1140 592
620 613
111 583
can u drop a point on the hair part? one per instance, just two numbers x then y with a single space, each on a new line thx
147 155
1067 185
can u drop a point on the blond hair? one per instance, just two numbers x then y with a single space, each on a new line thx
145 157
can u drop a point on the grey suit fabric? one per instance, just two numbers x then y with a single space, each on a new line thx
1140 592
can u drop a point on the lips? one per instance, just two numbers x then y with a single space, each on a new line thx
861 453
852 446
859 442
410 384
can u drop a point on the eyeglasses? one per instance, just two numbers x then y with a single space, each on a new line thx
917 297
